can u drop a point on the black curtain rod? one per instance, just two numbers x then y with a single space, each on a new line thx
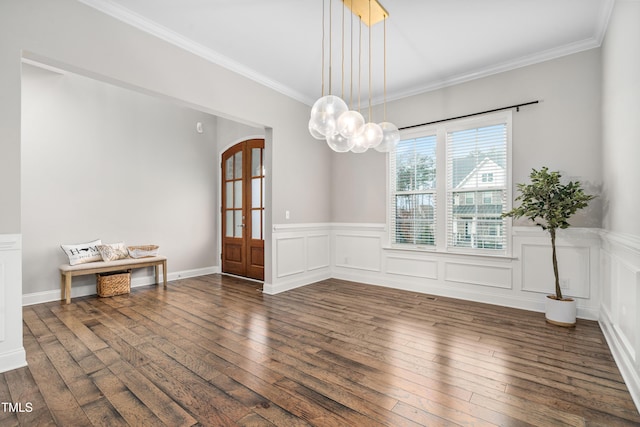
517 107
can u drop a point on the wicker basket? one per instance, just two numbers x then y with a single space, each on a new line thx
143 251
110 284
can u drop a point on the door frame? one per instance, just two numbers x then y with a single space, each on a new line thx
267 203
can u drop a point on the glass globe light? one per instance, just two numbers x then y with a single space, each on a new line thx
372 134
325 113
339 143
350 123
314 133
390 137
359 144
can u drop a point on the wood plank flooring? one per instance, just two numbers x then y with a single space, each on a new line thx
215 351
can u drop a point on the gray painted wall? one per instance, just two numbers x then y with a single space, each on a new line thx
229 133
562 132
99 161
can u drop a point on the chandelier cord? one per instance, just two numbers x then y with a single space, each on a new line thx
323 39
342 54
359 64
351 60
384 67
330 46
370 73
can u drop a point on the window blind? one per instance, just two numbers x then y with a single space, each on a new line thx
413 191
477 187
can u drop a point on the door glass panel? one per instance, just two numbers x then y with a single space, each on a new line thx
238 165
256 166
255 193
228 168
255 225
237 199
238 223
229 195
229 224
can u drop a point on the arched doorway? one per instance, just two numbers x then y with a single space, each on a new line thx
243 209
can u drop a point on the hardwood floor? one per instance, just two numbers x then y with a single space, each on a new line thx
215 351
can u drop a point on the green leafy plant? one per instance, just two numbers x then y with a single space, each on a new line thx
549 204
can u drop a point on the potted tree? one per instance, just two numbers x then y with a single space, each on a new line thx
550 204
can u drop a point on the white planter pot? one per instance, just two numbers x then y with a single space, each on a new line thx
560 312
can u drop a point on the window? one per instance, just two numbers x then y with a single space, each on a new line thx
487 177
449 185
414 184
469 198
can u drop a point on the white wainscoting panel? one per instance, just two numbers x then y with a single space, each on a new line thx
12 354
605 280
358 251
318 252
411 266
625 295
300 256
478 274
573 269
620 309
4 283
578 265
290 256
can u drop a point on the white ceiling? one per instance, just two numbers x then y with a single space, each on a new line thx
430 43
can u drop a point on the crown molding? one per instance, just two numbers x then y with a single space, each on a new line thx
547 55
137 21
521 62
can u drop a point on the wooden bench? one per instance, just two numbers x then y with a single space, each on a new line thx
67 272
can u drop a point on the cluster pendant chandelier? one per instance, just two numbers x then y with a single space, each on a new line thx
331 119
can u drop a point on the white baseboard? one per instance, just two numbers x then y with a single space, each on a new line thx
13 360
296 282
185 274
85 290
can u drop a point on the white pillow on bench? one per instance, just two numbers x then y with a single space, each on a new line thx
83 252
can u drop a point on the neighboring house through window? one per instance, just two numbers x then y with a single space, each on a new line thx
449 185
